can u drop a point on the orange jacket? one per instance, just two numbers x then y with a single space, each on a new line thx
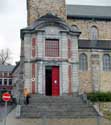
26 93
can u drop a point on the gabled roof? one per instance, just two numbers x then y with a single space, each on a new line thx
6 68
87 11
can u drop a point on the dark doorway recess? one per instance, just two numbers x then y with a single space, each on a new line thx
52 81
48 73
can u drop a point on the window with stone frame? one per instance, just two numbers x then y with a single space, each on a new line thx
0 81
52 48
5 81
10 81
83 64
94 33
0 74
106 62
5 74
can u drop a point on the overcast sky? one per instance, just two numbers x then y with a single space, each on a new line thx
13 18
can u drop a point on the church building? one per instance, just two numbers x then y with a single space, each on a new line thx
50 48
65 48
65 51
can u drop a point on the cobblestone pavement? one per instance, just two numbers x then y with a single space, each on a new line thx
11 120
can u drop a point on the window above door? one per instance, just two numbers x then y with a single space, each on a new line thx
51 48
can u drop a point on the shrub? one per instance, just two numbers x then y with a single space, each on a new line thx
99 96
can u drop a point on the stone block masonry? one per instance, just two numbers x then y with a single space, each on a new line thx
38 8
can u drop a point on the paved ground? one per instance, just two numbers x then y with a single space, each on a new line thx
2 110
11 120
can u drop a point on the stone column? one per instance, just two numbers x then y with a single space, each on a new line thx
64 75
95 70
27 64
75 78
75 65
40 45
27 47
27 76
40 77
63 46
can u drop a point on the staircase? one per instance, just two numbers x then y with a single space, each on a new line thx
57 107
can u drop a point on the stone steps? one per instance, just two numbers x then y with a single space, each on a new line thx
56 107
52 102
58 114
58 110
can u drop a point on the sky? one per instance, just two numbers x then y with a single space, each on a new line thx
13 17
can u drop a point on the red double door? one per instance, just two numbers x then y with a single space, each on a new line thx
52 81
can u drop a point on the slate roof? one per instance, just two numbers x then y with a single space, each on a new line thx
98 44
6 68
86 11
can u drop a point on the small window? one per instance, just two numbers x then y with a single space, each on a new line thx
0 74
106 62
94 33
10 81
10 74
5 81
5 74
0 81
75 27
83 64
52 48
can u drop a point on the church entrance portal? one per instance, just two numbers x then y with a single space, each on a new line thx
52 81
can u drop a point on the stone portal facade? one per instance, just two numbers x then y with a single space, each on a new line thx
50 54
90 55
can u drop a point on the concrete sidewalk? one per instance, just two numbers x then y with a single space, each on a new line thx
12 120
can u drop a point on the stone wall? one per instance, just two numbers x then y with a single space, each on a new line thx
105 84
38 8
95 79
104 28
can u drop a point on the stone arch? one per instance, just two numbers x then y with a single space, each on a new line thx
75 27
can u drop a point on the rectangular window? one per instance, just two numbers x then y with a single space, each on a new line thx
10 81
0 74
5 81
0 81
5 74
52 48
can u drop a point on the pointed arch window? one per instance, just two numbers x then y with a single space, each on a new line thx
83 64
94 33
106 62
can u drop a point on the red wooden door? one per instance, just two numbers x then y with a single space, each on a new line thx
55 81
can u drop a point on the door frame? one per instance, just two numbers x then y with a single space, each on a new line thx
60 89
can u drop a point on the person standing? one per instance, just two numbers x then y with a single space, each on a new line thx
26 96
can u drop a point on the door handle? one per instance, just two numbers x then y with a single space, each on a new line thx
55 81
